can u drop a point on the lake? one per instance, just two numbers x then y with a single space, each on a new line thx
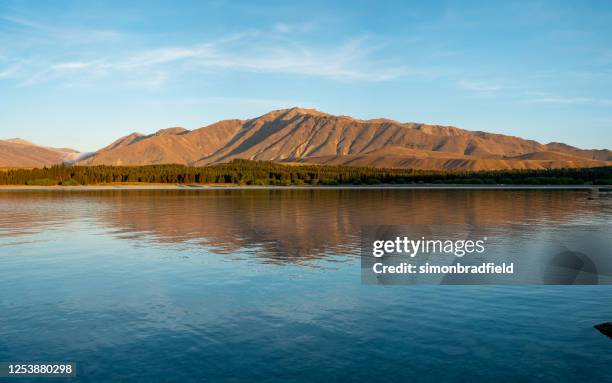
264 285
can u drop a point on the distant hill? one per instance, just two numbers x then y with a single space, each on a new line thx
19 153
299 135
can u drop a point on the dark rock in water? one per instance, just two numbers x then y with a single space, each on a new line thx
605 328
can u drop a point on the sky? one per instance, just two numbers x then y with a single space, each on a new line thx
82 74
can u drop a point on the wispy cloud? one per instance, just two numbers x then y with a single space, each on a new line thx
72 65
350 60
265 103
562 100
249 51
480 86
9 72
77 34
294 27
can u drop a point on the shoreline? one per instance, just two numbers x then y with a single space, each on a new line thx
297 187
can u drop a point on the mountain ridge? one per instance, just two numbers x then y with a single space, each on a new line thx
300 135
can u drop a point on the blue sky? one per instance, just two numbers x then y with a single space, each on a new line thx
81 74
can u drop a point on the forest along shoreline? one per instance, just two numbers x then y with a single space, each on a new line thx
246 173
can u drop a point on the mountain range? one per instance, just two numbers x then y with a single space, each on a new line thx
300 135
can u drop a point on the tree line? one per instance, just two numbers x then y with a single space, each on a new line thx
246 172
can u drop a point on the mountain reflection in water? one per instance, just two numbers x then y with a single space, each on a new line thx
286 225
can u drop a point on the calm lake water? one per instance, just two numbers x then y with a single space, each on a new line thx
264 285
